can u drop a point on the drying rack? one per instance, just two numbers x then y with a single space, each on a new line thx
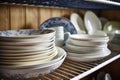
71 70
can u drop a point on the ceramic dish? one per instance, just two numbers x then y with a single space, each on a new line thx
92 22
78 23
29 43
42 53
111 26
28 57
82 49
41 46
36 49
99 53
59 21
28 73
86 37
89 58
86 43
26 61
60 55
29 40
26 33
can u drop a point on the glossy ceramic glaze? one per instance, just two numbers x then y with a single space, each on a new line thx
26 33
36 70
59 21
78 23
92 22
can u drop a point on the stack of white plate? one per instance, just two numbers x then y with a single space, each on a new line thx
84 47
114 44
29 53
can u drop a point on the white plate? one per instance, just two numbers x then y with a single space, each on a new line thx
59 21
78 23
90 58
26 33
29 60
61 54
92 22
90 54
41 49
33 72
83 49
28 47
86 43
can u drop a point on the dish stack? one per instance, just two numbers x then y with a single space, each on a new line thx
29 53
114 44
84 47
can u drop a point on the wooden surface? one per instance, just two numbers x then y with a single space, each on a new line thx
17 17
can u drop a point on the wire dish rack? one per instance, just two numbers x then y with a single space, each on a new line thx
71 70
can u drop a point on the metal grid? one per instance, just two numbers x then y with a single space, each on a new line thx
71 70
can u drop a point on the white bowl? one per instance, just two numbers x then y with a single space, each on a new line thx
89 58
87 43
28 58
89 37
59 56
36 70
81 49
28 49
100 53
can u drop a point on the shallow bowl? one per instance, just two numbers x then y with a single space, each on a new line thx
82 49
26 33
34 71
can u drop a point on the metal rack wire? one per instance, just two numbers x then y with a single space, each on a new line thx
71 70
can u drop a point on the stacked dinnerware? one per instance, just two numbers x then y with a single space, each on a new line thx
114 44
29 53
84 47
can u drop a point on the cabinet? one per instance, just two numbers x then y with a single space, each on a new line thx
19 17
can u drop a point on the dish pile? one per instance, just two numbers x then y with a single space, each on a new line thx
114 44
84 47
29 53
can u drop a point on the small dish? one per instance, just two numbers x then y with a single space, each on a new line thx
87 37
28 60
111 26
92 22
89 58
100 53
59 21
26 33
61 54
78 23
35 71
87 43
3 50
82 49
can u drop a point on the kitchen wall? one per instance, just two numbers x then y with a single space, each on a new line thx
19 17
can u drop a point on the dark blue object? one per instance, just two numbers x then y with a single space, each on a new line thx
77 4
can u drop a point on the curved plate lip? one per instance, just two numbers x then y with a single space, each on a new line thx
77 21
59 21
88 59
91 14
55 60
25 33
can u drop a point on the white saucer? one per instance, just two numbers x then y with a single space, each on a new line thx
91 57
